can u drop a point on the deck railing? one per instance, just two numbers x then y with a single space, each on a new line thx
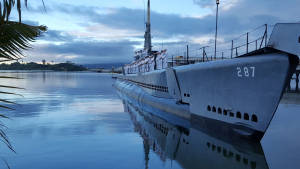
248 42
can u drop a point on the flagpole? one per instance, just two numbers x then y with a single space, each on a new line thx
216 35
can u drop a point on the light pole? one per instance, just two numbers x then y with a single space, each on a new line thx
216 36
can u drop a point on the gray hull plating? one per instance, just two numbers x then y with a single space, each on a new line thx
243 92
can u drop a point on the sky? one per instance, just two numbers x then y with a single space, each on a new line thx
109 31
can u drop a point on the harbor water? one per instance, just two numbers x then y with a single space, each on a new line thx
78 120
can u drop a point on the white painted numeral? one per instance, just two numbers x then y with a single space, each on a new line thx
239 73
253 71
246 71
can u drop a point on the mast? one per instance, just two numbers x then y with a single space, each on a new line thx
147 43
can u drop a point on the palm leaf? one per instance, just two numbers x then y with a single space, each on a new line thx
6 163
16 37
6 105
11 87
7 101
2 92
9 77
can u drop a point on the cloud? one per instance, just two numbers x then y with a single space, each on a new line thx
224 4
34 23
236 17
241 17
110 34
163 25
55 35
103 32
286 10
85 51
205 3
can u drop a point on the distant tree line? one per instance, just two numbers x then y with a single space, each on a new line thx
36 66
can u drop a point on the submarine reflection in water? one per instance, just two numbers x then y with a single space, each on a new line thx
191 145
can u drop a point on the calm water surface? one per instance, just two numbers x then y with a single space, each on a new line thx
77 120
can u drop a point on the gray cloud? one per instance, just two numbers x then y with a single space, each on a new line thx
163 25
285 10
205 3
55 35
243 16
91 51
31 22
232 22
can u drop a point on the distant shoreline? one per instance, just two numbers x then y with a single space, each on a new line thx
54 71
41 67
36 71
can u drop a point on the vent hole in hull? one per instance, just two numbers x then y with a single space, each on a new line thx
208 108
254 118
225 112
239 115
246 116
219 110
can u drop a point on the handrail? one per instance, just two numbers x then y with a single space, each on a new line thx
235 49
202 54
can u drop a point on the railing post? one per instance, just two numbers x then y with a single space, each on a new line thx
289 86
236 53
231 48
222 55
155 63
172 61
297 82
256 44
247 42
203 54
266 35
187 53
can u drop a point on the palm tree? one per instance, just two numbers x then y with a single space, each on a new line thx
15 37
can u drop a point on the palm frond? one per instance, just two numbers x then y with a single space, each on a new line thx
3 116
2 92
5 140
6 163
7 101
11 87
15 37
7 5
6 105
9 77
